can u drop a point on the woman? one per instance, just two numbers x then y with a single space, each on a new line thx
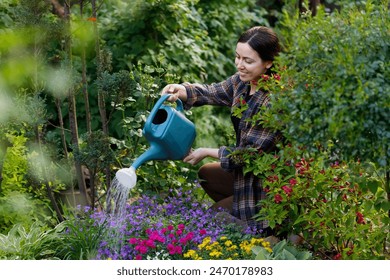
224 181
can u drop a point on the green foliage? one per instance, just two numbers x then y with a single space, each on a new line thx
338 208
338 77
27 244
184 33
15 165
78 239
94 151
281 251
20 208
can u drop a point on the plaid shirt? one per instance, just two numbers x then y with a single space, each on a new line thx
248 189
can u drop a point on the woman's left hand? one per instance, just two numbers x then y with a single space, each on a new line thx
195 156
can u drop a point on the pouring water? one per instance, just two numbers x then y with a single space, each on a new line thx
125 179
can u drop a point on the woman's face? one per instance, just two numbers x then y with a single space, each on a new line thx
249 64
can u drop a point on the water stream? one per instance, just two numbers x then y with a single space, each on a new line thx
118 193
116 201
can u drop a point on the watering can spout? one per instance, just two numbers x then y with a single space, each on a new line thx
155 152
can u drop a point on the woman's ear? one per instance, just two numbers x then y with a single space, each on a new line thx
268 64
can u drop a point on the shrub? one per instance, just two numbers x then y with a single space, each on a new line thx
338 65
339 209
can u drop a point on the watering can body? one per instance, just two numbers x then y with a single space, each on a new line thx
169 133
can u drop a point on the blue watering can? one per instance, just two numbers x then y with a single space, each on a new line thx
169 133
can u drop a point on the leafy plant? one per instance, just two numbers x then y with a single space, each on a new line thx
193 26
337 65
79 236
27 244
338 208
281 251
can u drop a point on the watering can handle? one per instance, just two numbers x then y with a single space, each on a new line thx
158 104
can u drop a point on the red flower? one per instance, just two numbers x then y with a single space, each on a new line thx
278 198
272 178
265 77
93 19
277 77
293 182
337 257
360 218
287 190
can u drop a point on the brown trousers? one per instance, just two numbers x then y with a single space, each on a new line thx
218 184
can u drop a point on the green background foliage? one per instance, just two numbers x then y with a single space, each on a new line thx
340 98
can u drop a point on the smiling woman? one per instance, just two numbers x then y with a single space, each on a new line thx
224 181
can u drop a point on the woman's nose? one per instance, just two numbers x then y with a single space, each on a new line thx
239 64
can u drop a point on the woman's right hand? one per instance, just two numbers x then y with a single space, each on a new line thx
176 91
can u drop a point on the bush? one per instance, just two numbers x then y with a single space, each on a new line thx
196 38
339 209
338 66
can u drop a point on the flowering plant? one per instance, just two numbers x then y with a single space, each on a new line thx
165 243
333 205
160 229
225 248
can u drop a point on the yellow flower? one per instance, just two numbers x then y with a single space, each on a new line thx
205 242
268 249
228 243
223 238
266 244
215 254
256 241
191 254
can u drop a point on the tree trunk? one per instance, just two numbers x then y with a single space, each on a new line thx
62 129
84 79
72 108
101 98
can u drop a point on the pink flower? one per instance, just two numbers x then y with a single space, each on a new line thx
142 249
202 232
181 227
278 198
170 227
287 190
133 240
138 257
293 182
150 243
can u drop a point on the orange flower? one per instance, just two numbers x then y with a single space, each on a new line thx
93 19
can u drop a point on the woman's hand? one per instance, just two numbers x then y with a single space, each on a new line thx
176 90
195 156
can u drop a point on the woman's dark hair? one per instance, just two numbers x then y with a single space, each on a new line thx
263 40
